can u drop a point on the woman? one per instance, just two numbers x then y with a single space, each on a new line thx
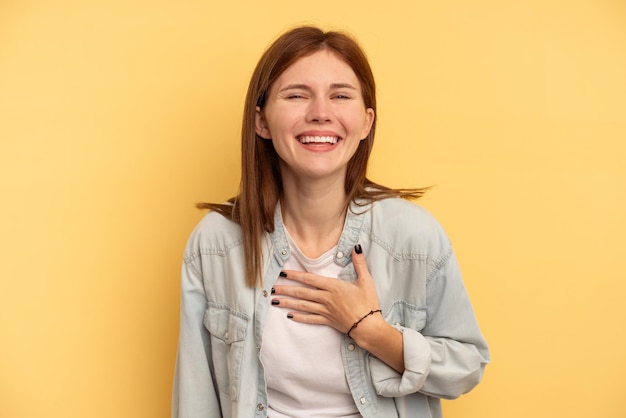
316 292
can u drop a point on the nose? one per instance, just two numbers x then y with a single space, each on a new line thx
319 111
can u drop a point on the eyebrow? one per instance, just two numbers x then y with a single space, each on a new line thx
308 88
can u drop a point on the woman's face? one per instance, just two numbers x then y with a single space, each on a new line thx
315 116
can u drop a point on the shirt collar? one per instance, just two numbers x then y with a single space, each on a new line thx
349 236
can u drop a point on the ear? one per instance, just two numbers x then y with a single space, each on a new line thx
260 125
369 121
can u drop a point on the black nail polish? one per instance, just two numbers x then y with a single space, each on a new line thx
273 290
283 274
290 316
358 249
275 301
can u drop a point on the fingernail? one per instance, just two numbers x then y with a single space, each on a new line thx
283 274
290 316
273 290
275 301
358 249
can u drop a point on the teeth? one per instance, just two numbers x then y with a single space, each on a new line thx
318 139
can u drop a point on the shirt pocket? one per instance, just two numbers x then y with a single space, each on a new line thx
407 315
228 329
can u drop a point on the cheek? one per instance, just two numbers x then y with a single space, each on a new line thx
360 123
282 122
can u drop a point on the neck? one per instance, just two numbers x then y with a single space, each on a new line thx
314 215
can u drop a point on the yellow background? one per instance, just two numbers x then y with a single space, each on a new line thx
117 116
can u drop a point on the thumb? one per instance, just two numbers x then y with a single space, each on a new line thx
358 260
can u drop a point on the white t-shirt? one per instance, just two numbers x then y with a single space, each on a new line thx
303 366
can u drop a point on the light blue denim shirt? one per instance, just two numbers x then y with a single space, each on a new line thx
421 292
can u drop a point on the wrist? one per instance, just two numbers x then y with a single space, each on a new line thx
367 334
363 318
381 340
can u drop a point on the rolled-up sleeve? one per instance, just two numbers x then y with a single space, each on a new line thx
447 357
459 350
417 360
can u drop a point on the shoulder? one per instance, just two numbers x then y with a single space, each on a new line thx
214 234
403 214
408 227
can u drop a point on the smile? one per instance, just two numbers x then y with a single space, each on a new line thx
307 139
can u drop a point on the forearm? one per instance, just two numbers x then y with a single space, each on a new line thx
194 393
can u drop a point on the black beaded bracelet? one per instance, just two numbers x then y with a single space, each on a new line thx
357 322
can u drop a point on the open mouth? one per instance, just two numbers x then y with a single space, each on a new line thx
307 139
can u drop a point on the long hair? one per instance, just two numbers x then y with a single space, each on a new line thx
261 185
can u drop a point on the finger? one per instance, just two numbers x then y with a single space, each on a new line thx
302 306
308 279
299 292
308 318
358 260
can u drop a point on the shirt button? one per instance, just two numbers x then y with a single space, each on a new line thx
260 407
265 293
284 252
350 347
363 401
340 255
